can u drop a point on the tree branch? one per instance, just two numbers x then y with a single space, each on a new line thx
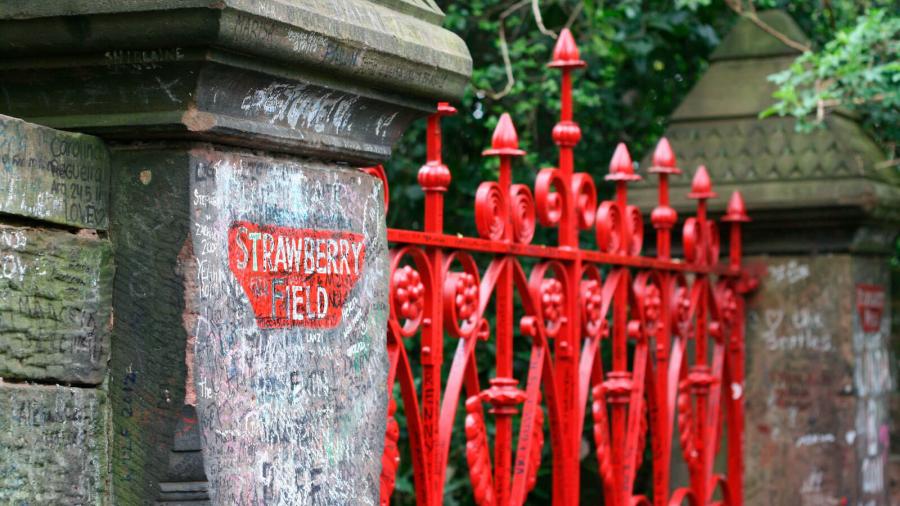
787 41
572 17
504 46
504 53
737 7
536 9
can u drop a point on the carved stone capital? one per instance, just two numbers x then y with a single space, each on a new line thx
337 80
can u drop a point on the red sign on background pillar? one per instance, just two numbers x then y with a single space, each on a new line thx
870 304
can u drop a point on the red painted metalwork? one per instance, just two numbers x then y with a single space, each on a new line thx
675 330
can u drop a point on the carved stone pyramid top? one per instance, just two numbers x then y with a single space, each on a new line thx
719 123
833 175
335 79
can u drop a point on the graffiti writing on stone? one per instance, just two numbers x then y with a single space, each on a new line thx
799 383
873 384
52 446
286 308
52 175
800 329
55 292
143 59
295 277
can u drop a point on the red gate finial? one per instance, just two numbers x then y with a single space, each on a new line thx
565 53
736 211
701 185
735 214
621 170
434 177
505 141
664 216
700 237
664 159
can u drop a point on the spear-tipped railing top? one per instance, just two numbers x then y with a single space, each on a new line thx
621 170
565 54
736 211
701 191
505 141
664 216
566 57
505 144
434 175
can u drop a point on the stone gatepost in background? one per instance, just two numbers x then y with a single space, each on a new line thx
824 222
248 361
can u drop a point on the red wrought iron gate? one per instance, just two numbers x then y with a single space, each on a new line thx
573 299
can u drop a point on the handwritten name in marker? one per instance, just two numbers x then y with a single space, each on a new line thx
295 277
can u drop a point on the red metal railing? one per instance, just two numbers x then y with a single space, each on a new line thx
649 308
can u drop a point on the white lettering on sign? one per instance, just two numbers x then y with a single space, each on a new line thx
295 277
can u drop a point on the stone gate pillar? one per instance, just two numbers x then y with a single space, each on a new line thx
248 362
825 214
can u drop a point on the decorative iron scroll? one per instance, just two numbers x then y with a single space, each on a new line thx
656 387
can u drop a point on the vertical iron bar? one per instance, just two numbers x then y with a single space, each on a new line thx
736 215
566 135
663 218
434 178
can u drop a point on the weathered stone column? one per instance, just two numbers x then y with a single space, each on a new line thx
824 222
250 297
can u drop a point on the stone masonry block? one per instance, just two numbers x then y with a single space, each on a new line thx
55 305
55 176
818 381
53 446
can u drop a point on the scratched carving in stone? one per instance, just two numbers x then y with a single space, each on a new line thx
53 446
288 322
818 368
54 176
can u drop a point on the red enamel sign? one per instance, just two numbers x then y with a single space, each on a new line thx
870 304
295 277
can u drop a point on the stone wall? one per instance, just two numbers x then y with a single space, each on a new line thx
250 316
56 276
817 406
